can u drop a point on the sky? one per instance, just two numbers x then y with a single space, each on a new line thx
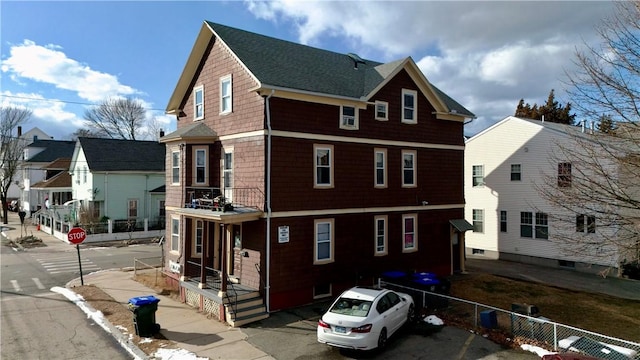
60 58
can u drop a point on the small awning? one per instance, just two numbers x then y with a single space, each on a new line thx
461 225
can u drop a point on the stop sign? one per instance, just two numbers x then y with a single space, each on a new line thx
76 235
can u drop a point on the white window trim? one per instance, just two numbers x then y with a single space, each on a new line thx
480 183
194 241
415 171
224 171
414 248
317 222
376 252
222 97
315 166
173 166
386 111
356 123
137 202
415 106
195 104
195 165
479 212
175 237
375 168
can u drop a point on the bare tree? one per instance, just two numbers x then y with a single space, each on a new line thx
11 149
116 118
596 182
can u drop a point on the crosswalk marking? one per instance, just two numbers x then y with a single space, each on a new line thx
16 286
65 264
38 283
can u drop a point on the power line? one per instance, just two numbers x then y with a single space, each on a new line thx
60 101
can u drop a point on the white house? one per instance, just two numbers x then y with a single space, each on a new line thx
503 166
118 179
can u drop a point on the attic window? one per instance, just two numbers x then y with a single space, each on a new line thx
409 108
198 103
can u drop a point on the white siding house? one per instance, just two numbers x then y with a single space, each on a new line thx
503 166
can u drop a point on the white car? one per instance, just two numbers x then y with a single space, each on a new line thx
363 318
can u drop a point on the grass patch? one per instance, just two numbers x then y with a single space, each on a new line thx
594 312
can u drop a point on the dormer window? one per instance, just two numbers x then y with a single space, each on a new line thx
198 103
348 118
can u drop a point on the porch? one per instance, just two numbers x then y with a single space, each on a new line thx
228 300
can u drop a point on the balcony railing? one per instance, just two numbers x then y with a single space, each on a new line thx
213 198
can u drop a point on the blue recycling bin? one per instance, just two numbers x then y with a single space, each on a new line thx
144 315
489 319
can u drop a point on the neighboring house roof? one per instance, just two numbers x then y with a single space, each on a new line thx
58 164
159 190
280 64
53 149
121 155
60 180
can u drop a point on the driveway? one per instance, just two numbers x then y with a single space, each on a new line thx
291 335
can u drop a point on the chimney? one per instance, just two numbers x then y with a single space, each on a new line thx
19 131
593 127
161 133
582 123
543 119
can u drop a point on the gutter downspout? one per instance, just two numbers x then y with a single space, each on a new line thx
268 205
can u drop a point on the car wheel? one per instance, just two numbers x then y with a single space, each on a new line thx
411 314
382 339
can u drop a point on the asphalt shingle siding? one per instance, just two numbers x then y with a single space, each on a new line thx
123 155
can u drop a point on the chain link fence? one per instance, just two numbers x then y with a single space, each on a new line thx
522 322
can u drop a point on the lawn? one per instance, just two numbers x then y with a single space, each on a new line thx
594 312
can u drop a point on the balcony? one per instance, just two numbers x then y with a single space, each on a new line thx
211 198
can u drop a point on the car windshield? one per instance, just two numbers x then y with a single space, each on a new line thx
352 307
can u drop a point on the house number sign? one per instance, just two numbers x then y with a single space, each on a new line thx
283 234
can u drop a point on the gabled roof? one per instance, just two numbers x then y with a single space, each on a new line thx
121 155
58 164
60 180
52 150
193 132
285 65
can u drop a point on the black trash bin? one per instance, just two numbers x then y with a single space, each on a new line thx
144 315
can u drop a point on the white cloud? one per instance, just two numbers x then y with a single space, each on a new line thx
48 64
50 111
486 55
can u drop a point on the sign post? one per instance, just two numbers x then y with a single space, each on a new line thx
77 236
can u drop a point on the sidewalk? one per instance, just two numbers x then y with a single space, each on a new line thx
179 322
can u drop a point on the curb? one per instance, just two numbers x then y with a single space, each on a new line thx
121 338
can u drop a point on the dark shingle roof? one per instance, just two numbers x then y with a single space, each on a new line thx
123 155
287 64
53 149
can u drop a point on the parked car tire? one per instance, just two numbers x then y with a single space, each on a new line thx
382 339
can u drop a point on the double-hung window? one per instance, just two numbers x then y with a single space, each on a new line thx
409 233
323 165
478 220
227 174
409 106
516 172
382 110
175 234
348 117
323 249
201 166
586 223
537 230
380 161
503 221
408 169
564 174
198 103
226 95
132 208
380 230
175 167
477 175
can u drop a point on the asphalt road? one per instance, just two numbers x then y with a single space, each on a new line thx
40 324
